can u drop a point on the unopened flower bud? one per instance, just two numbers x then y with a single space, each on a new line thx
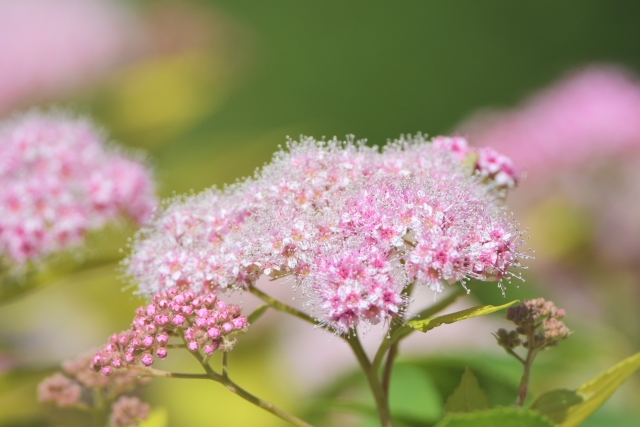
178 319
146 359
161 352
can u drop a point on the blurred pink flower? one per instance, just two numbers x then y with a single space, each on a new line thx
591 113
58 180
128 411
50 46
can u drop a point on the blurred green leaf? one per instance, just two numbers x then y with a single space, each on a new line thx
257 313
500 417
468 397
424 325
13 286
413 395
569 408
13 378
555 404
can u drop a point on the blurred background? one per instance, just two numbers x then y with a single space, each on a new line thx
210 89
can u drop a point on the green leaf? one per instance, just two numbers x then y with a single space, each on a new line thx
425 325
555 404
500 417
257 313
569 408
414 395
468 397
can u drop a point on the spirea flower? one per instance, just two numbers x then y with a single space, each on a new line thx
60 390
204 322
582 117
128 411
352 224
77 384
48 47
58 180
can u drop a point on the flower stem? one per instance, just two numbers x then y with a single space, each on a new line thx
523 388
403 331
353 341
393 350
236 389
99 410
388 366
225 368
280 306
382 405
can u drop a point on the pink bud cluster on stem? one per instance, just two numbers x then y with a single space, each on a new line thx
59 180
354 225
127 411
79 386
203 322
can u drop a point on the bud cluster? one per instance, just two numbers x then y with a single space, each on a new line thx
77 385
127 411
203 321
537 320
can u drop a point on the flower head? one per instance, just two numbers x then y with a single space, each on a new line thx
586 115
352 224
58 181
79 385
128 411
60 390
48 47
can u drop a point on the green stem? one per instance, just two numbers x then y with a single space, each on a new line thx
388 366
356 347
99 411
280 306
393 350
164 374
225 368
236 389
523 388
382 405
404 331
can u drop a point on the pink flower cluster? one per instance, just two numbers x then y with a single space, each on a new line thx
354 225
584 116
77 384
127 411
58 180
206 323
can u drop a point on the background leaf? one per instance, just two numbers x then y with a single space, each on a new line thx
468 397
158 417
413 394
555 404
501 417
570 408
425 325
